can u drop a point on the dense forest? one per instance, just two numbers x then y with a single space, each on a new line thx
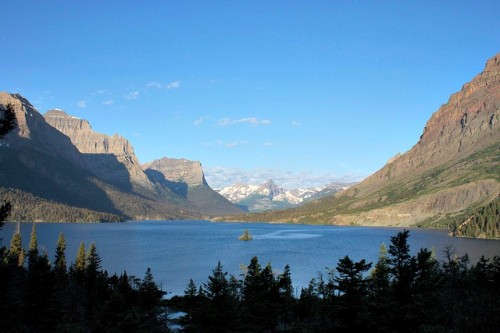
28 207
483 222
400 293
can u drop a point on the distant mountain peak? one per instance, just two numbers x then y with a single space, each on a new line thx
270 196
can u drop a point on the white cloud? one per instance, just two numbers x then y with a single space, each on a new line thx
173 85
132 95
82 104
235 144
200 120
224 122
153 84
100 92
222 143
108 102
219 177
253 121
296 123
168 86
267 144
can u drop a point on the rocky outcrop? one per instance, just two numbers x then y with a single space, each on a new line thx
186 178
111 158
178 170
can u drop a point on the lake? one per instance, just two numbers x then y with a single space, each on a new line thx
179 250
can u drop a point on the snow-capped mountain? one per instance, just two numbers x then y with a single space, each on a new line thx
269 196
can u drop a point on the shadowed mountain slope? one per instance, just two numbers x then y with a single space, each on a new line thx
186 178
58 169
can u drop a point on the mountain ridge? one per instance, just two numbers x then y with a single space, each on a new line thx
59 162
269 196
455 165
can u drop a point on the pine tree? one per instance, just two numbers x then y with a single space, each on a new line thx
5 209
93 261
150 302
352 287
379 286
8 122
220 312
33 248
16 254
402 269
81 259
60 258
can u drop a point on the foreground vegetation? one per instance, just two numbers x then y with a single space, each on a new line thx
39 296
400 293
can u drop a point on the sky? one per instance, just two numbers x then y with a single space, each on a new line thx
302 92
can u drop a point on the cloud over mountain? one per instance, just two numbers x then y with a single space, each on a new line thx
219 177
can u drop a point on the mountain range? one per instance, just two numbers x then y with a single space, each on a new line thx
56 168
453 168
269 196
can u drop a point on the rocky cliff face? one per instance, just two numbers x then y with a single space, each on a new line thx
178 170
111 158
33 131
454 166
467 123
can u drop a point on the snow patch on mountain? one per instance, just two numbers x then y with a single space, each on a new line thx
270 196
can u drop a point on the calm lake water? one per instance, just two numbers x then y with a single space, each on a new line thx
179 250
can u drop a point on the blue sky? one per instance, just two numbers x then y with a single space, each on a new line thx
304 92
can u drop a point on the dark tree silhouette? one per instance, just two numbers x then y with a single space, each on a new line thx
7 124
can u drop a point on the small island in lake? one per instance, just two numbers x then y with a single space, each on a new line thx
246 236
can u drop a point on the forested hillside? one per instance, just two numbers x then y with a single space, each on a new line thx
483 222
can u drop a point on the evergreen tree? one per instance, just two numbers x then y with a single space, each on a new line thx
5 209
353 288
220 314
424 310
190 305
151 305
81 259
60 258
93 261
38 290
33 248
8 122
402 269
380 290
16 254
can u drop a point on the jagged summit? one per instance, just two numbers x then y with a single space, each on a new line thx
270 196
112 158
